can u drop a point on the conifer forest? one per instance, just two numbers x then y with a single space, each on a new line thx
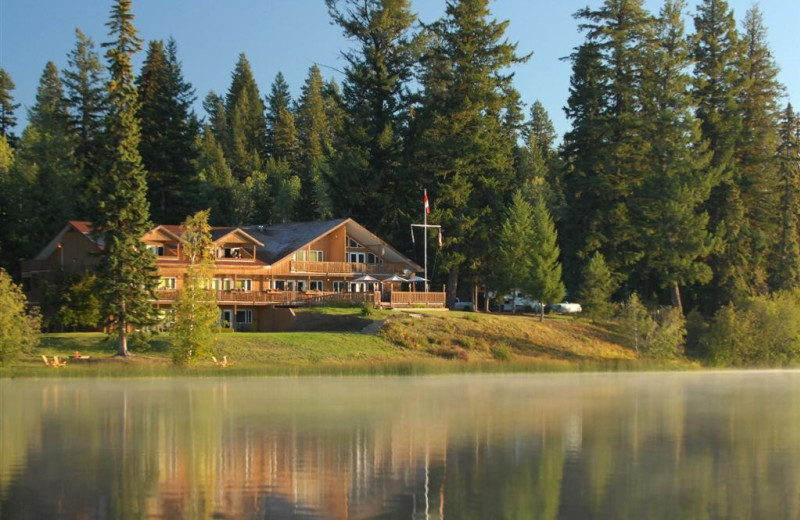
678 178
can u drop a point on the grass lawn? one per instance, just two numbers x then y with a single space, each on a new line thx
408 342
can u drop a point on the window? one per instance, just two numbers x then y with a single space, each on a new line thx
227 284
301 285
373 259
291 285
244 284
315 285
300 256
339 286
315 256
156 250
245 316
280 285
230 252
353 243
167 283
356 258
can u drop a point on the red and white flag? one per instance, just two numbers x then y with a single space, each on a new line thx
427 205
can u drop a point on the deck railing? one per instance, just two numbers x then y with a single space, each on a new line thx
400 299
338 268
396 298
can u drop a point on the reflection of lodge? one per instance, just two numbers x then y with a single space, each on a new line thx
257 268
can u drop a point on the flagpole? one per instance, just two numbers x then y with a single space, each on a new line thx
425 230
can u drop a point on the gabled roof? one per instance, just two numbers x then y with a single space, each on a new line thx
220 234
81 226
282 240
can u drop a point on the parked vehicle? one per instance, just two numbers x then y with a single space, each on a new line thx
567 308
463 306
523 304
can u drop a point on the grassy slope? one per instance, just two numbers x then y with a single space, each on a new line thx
405 344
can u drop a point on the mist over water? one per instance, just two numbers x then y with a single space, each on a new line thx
567 446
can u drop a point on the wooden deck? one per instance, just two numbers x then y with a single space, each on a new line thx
260 298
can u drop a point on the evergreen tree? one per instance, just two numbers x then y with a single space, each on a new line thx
368 183
278 101
84 84
7 107
196 312
544 283
464 149
214 106
245 144
315 149
716 51
515 243
168 132
216 179
597 287
606 149
541 128
756 149
667 208
46 165
786 258
127 270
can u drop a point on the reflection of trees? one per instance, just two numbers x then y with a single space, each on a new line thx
629 446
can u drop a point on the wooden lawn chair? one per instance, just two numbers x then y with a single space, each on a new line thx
214 359
225 361
57 363
46 361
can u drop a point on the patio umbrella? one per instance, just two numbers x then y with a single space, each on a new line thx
366 279
417 279
395 278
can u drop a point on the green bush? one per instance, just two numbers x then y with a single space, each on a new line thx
659 334
761 331
367 309
501 352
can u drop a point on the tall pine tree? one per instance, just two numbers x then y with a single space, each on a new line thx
368 182
84 82
7 107
245 143
127 269
169 128
786 258
464 147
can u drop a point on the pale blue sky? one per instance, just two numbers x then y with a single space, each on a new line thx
290 35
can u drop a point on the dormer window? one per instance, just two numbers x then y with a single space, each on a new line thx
231 252
353 243
157 250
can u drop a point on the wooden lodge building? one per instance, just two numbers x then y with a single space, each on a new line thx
260 271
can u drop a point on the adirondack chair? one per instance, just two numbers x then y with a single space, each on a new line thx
225 361
214 359
46 361
57 363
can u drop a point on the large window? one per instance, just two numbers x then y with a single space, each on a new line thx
315 285
157 250
373 259
356 258
245 316
315 256
280 285
339 286
300 256
244 284
230 252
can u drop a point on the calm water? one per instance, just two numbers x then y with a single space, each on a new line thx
630 446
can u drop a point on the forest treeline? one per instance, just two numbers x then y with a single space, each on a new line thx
678 178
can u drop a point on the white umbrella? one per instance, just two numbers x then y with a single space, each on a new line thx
366 278
395 278
417 279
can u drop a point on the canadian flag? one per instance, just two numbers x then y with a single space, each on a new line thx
427 205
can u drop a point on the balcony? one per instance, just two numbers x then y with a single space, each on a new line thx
344 268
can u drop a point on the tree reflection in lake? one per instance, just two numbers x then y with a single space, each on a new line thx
721 445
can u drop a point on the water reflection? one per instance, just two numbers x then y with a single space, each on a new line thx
545 447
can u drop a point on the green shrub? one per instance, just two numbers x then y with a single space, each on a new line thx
761 331
659 334
466 342
501 352
367 309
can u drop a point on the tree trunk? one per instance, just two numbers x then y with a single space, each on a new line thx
122 340
676 296
475 298
541 312
452 287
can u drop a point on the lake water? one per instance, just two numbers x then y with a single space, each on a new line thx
615 446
